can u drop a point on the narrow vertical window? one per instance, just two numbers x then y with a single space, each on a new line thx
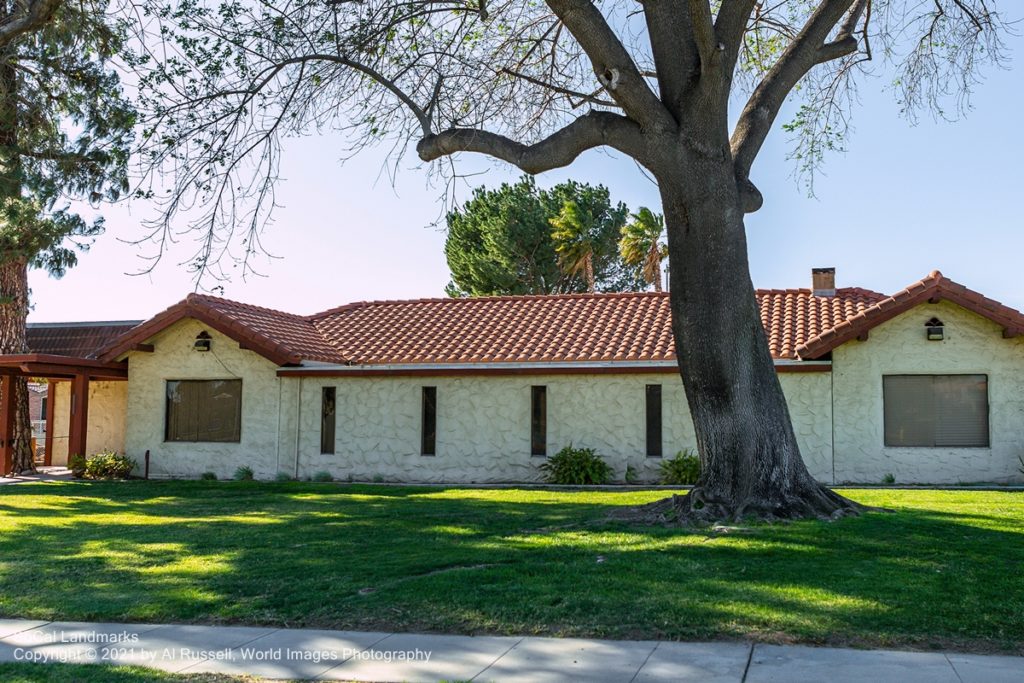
539 420
428 441
327 420
654 420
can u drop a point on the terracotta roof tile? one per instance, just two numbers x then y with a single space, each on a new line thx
556 328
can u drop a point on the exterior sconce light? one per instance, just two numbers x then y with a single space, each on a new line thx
202 342
933 329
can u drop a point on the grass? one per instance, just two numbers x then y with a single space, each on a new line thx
945 570
94 673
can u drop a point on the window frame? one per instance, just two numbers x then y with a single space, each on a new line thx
328 427
539 420
204 380
654 426
988 411
428 422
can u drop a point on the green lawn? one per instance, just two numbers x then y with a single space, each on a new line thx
91 673
946 570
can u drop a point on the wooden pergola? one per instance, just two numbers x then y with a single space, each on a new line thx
39 365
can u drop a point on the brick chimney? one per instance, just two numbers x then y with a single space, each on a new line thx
823 281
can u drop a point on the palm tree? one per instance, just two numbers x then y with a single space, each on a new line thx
641 244
574 243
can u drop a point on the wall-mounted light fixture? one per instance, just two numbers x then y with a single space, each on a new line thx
202 342
934 329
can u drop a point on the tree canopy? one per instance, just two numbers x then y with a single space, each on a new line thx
500 241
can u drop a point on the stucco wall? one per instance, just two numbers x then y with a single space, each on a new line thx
108 403
174 358
483 425
972 345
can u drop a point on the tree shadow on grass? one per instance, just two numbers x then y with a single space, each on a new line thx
471 561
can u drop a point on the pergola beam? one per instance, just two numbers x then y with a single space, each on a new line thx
79 416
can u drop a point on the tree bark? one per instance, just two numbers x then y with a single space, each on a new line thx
13 316
14 293
750 460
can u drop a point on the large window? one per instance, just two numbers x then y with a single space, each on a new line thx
936 410
327 402
204 410
654 420
428 437
538 420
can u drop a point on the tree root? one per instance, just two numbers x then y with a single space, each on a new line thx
697 508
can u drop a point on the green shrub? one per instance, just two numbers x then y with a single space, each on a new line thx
208 476
323 475
681 470
576 466
108 465
76 463
632 476
243 473
889 479
284 476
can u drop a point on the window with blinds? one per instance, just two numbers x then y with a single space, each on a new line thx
204 410
936 410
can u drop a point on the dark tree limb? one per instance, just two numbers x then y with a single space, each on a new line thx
26 17
674 50
730 25
703 31
595 129
797 59
613 65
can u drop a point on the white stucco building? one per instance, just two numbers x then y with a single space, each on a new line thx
926 385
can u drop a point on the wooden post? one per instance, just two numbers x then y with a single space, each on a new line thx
51 401
79 416
7 407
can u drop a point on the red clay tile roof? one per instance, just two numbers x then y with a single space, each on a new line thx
283 338
77 340
572 327
936 287
522 329
791 316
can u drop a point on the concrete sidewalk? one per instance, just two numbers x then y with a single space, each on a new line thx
346 655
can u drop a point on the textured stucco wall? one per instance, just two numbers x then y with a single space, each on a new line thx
173 358
972 344
483 425
108 404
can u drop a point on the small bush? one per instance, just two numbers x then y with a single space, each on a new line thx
323 475
681 470
208 476
576 466
284 476
108 465
76 463
632 476
378 479
243 473
889 479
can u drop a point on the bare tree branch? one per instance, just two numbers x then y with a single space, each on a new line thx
796 60
613 65
595 129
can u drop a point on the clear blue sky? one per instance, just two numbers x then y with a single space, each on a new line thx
903 201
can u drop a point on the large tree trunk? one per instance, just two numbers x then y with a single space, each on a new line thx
750 461
13 315
13 267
